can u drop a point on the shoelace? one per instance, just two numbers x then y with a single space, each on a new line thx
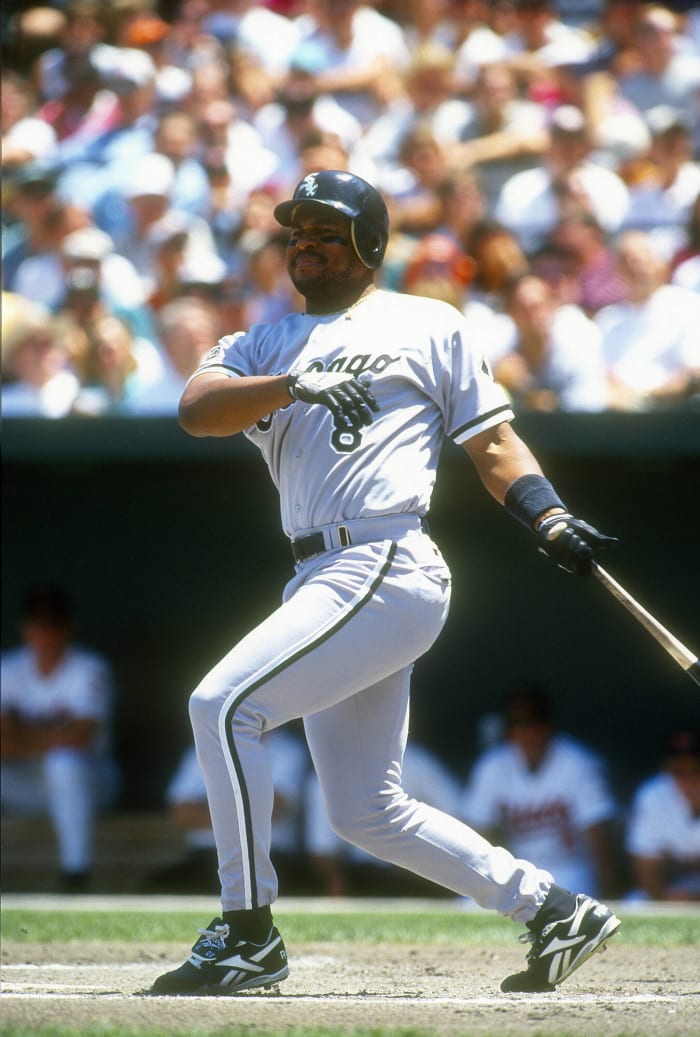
219 932
217 936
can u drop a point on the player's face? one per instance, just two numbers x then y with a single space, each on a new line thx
321 260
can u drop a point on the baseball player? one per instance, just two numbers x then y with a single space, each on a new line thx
349 403
545 793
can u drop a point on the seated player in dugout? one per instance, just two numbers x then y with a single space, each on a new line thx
349 403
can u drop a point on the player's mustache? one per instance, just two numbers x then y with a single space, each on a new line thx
309 253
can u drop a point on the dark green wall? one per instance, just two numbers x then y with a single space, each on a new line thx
172 549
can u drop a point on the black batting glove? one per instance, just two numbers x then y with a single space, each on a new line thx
570 542
347 398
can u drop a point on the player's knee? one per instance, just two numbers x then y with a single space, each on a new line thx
203 710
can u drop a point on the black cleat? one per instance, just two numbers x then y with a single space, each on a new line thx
222 964
564 933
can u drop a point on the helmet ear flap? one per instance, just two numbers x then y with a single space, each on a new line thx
368 243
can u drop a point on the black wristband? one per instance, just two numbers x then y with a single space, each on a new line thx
528 497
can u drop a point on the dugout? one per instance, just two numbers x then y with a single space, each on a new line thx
172 549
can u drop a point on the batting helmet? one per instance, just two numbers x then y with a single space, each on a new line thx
353 197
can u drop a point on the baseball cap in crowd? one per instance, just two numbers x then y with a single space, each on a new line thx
33 177
88 245
201 270
664 118
173 227
152 174
125 69
568 119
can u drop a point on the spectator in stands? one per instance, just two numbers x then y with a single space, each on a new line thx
499 259
428 22
545 795
37 219
463 205
485 35
503 134
298 110
365 56
685 265
82 33
663 834
531 203
188 329
186 799
38 381
414 202
148 193
428 96
176 137
594 268
146 30
543 39
549 357
650 342
260 43
667 184
57 702
110 368
25 136
438 269
668 69
343 869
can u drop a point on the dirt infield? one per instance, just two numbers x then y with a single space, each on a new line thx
629 991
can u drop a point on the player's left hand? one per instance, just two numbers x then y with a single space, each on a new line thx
570 542
348 398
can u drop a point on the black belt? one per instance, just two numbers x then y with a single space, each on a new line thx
316 543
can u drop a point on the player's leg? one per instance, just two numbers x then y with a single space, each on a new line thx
357 748
72 795
347 623
342 629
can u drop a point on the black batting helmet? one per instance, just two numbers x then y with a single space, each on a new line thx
353 197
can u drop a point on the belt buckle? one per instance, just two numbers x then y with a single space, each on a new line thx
344 536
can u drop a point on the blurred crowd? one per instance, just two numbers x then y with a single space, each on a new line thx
539 161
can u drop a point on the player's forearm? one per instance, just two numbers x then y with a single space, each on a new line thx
214 405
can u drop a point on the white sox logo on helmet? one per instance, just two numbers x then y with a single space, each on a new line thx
309 185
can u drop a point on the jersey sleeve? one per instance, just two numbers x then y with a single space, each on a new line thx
226 357
475 401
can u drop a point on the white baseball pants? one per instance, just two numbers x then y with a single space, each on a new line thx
339 652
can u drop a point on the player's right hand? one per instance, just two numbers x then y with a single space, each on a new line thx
348 398
570 542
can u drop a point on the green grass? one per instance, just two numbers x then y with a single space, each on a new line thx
33 926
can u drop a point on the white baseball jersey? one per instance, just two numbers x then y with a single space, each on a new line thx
662 823
81 687
543 813
425 354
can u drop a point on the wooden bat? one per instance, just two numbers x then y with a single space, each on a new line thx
686 659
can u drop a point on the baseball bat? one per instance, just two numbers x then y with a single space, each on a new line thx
686 659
